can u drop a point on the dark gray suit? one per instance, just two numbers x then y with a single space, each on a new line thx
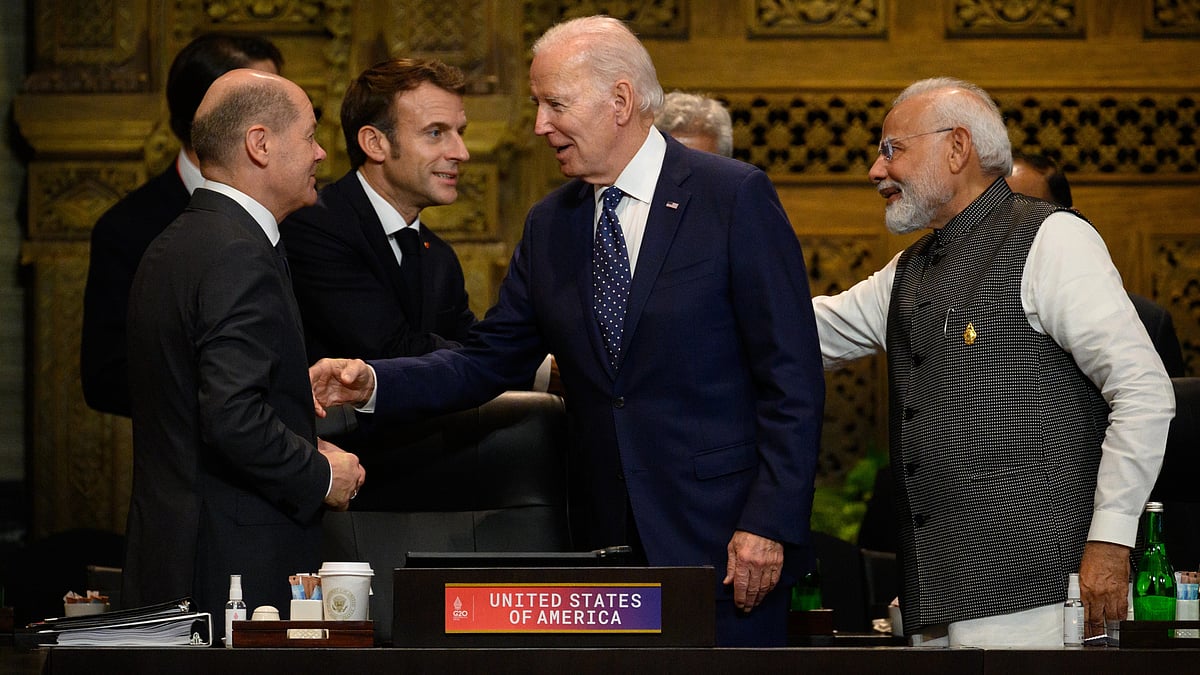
227 479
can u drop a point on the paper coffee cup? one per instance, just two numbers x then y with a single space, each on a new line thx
346 590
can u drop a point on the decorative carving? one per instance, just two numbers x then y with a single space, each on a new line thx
90 46
1014 18
456 33
1135 134
852 394
647 18
1173 18
65 199
1175 284
277 12
817 18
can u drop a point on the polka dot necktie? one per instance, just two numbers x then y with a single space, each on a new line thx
610 275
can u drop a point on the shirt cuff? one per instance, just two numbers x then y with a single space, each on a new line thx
1115 528
369 406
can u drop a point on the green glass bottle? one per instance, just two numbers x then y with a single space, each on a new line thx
806 594
1154 587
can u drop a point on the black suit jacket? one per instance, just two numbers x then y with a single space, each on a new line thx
350 289
227 479
119 239
1161 329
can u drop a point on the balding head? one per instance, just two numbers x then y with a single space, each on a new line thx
254 131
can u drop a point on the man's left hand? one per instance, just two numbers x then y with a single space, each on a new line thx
753 568
1104 584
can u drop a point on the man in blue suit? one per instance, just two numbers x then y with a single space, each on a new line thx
679 312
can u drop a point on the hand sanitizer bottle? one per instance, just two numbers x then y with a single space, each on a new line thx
1073 614
235 609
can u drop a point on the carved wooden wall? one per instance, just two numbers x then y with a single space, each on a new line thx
1107 87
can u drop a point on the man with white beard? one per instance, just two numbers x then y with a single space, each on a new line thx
1028 408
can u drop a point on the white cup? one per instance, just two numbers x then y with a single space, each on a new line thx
346 590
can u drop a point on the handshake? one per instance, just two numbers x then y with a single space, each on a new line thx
336 382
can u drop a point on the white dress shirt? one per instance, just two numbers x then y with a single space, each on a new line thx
1071 291
391 219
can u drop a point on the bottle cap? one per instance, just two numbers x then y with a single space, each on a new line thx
235 587
1073 586
1155 507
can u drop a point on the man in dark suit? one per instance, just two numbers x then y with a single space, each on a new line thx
122 234
695 418
403 120
1038 176
228 474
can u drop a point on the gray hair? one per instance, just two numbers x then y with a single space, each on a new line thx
612 51
217 135
976 112
693 113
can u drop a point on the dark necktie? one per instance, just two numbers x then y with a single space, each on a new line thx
610 275
281 260
410 268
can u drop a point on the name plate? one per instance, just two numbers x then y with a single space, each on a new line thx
553 608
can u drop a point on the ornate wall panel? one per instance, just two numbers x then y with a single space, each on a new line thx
816 18
1172 18
808 84
1014 18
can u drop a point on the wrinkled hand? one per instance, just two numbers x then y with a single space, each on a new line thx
753 568
1104 584
348 475
338 381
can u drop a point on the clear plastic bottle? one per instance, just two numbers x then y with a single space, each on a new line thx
235 609
1073 614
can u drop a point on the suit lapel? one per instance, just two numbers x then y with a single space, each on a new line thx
372 230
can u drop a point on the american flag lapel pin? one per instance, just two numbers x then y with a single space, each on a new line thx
672 205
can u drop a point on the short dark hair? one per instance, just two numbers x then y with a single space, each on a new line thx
370 98
1056 181
200 63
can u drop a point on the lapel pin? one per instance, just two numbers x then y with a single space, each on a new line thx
969 334
672 205
426 244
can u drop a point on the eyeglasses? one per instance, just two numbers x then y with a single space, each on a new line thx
887 147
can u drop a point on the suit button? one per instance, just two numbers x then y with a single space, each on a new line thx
909 413
910 469
917 359
619 402
920 519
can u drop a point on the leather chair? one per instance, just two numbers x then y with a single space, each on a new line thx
492 478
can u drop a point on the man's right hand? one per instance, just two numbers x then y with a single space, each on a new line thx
348 475
339 381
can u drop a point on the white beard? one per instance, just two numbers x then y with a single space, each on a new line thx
919 202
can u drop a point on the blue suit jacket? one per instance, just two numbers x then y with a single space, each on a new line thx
711 421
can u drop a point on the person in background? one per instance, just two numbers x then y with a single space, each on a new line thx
671 288
228 475
122 234
696 121
350 254
1028 411
1039 176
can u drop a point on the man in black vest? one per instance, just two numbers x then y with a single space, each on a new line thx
1028 409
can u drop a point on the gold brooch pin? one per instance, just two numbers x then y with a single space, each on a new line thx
969 334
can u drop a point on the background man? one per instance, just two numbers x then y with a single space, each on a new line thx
370 280
697 122
1028 410
125 230
227 474
1038 176
695 404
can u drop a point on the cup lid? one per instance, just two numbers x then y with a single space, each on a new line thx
359 568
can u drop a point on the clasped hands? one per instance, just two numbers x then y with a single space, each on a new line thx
334 382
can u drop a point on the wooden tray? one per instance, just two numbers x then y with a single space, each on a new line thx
303 634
